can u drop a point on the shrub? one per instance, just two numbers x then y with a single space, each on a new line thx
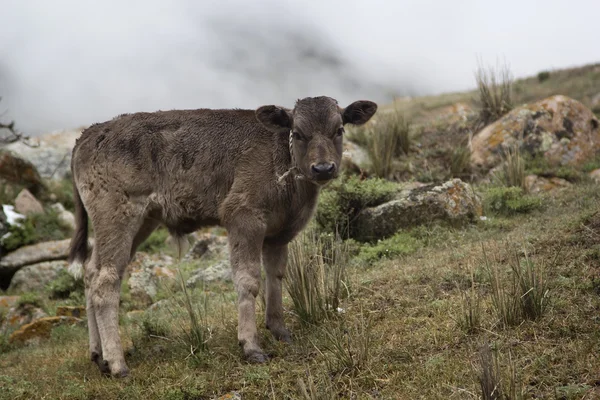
397 245
494 86
543 76
510 200
30 298
341 201
65 286
36 228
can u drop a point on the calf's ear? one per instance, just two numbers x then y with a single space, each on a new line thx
358 112
274 118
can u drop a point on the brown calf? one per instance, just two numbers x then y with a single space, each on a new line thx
256 173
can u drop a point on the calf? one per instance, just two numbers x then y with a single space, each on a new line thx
256 173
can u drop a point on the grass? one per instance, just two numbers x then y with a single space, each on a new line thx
36 228
494 87
512 169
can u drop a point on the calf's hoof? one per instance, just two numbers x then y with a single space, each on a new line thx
281 334
256 357
101 363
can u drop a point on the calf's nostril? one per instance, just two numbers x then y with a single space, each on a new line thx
323 168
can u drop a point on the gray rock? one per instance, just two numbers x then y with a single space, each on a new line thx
20 315
219 271
36 253
454 202
52 155
17 170
27 204
146 272
208 246
35 277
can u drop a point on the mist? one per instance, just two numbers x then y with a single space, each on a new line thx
65 64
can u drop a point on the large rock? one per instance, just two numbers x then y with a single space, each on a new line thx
28 255
27 204
146 273
20 315
561 129
540 184
17 170
208 246
40 329
52 155
454 202
35 277
218 271
7 302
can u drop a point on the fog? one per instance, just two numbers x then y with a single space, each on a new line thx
69 63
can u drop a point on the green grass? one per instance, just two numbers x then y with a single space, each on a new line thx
36 228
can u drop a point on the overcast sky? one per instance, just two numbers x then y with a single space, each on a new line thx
70 63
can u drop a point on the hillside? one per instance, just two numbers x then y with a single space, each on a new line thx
494 294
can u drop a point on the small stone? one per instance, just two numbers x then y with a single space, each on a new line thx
537 184
595 175
21 315
27 204
71 311
65 216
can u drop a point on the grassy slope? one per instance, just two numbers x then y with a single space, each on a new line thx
417 349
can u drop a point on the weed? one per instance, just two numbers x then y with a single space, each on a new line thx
316 282
30 298
470 320
400 244
348 347
512 169
509 201
494 87
65 286
460 160
533 287
154 326
313 389
493 385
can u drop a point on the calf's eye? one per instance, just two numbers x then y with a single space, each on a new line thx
340 131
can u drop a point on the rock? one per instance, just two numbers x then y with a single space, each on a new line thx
71 311
159 305
595 175
17 170
28 255
454 202
7 302
538 184
65 216
561 129
135 314
595 103
12 217
35 277
39 329
145 274
18 316
52 155
219 271
208 246
27 204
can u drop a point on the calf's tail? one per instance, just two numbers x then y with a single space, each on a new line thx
79 244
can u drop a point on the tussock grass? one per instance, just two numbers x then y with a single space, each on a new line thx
494 89
512 169
471 315
460 160
317 277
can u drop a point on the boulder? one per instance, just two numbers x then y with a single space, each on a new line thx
17 170
35 277
218 271
559 128
146 273
539 184
454 202
27 204
20 315
28 255
65 216
39 329
52 153
7 302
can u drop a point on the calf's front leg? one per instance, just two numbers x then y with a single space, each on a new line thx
275 261
245 243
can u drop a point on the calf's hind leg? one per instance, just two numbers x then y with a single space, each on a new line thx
112 251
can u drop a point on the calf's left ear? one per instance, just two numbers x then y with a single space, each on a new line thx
358 112
274 118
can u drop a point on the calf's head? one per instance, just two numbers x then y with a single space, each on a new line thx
316 129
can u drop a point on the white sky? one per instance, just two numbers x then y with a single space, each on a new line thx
70 63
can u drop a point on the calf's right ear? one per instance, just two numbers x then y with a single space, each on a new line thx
274 118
